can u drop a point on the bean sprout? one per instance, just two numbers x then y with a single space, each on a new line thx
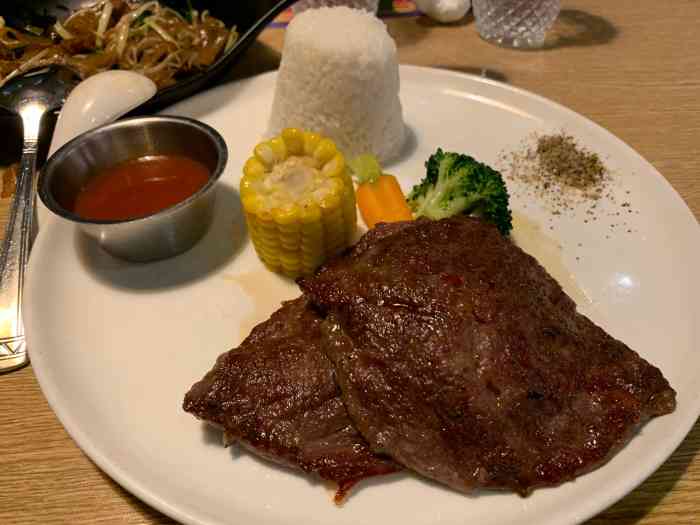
32 63
162 32
103 22
62 31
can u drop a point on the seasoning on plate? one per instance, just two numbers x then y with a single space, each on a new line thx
562 161
558 171
566 178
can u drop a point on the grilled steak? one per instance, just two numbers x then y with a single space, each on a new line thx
460 357
275 395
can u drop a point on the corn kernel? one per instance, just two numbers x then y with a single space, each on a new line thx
286 215
254 168
264 215
335 167
265 154
279 148
294 139
311 140
330 202
251 203
310 214
325 151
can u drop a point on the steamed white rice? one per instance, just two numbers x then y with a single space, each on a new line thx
339 77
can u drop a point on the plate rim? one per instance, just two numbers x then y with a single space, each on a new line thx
50 389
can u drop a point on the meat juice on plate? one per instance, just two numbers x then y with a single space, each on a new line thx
528 235
266 291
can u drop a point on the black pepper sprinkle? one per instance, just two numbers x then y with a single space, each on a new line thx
567 179
558 171
563 161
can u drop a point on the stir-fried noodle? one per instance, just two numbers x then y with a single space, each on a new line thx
145 37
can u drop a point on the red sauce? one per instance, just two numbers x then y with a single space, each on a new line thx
140 187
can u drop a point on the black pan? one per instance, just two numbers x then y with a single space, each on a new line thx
249 16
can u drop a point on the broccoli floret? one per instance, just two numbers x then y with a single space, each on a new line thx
457 184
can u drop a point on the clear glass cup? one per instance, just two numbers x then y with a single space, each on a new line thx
367 5
515 23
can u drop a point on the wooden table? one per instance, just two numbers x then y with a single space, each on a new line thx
633 66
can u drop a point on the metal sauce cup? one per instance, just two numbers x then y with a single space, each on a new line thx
162 234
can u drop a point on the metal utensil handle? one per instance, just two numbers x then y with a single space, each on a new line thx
14 255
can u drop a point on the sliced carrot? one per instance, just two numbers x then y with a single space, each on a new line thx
382 200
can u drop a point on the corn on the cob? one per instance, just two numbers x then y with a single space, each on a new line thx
299 201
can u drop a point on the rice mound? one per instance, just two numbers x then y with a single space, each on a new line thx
339 76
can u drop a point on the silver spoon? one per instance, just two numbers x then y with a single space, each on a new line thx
31 96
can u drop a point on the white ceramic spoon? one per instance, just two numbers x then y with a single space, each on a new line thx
98 100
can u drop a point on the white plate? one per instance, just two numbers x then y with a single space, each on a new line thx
116 346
